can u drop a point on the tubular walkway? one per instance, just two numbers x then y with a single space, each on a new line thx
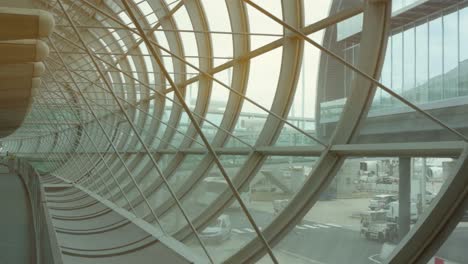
45 220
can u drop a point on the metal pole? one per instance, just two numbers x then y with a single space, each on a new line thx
422 188
404 196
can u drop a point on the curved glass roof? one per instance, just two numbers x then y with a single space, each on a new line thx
272 123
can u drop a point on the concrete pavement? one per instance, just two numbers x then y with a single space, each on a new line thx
16 227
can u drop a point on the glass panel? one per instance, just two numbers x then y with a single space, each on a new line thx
188 38
357 211
218 20
422 55
262 85
384 100
198 198
268 192
261 24
217 105
409 63
302 111
334 82
397 5
463 61
453 250
219 236
430 52
450 55
177 172
397 62
435 59
321 10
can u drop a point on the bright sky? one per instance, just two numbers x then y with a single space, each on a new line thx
265 69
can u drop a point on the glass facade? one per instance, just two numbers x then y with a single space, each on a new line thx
424 61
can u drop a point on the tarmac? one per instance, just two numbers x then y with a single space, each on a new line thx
341 212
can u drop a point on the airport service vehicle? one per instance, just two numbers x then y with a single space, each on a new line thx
393 213
380 201
219 231
212 188
374 225
429 197
279 205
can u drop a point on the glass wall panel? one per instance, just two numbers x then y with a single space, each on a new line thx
435 59
218 20
302 112
397 5
453 250
211 184
259 23
333 88
357 223
261 88
463 60
450 55
409 63
385 100
176 177
269 191
217 235
248 127
422 55
217 105
397 63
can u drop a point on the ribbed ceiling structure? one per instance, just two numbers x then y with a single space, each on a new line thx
146 103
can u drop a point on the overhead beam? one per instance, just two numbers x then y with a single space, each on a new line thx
421 149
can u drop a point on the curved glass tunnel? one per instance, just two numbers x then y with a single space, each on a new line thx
243 131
